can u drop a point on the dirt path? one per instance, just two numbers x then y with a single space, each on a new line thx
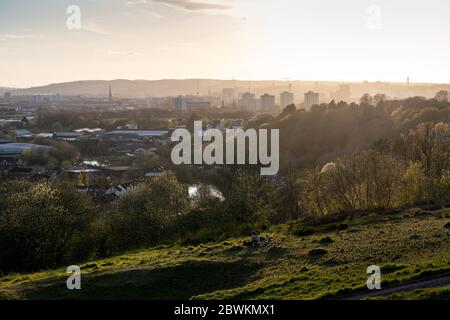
433 282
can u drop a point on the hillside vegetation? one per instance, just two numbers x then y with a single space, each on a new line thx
299 262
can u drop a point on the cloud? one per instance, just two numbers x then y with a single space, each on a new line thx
184 44
124 53
190 5
135 2
93 27
19 36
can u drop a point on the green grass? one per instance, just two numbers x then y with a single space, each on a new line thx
442 293
328 261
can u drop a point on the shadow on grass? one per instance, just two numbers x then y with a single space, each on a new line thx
178 282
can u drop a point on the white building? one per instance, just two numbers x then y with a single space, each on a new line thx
42 98
228 97
286 98
191 104
311 98
267 103
248 102
180 104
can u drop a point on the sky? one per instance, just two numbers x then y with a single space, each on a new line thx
346 40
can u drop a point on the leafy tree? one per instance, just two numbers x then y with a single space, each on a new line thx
37 224
290 109
252 198
366 100
148 211
442 96
430 146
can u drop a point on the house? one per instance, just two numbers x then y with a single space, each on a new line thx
88 133
237 124
155 171
131 126
128 126
140 151
89 130
116 191
76 170
23 133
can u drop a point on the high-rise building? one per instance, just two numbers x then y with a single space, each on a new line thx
286 98
7 95
342 94
110 97
311 98
180 104
248 102
43 98
228 97
267 103
190 104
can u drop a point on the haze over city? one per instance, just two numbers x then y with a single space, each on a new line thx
241 39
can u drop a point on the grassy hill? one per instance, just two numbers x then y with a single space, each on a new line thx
300 262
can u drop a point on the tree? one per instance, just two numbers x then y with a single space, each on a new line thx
147 161
148 210
288 207
37 224
25 122
379 98
289 109
442 96
366 100
414 184
252 198
364 180
63 151
430 145
332 105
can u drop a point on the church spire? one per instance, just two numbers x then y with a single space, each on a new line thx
110 97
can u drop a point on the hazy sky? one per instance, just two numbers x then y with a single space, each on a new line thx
349 40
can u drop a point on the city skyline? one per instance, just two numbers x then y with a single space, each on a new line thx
211 39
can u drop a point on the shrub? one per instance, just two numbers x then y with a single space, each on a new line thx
317 252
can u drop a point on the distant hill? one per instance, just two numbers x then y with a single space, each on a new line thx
161 88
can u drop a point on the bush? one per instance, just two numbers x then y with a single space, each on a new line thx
302 231
317 252
38 222
326 240
148 212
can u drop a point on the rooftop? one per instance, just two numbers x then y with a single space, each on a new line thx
15 149
140 133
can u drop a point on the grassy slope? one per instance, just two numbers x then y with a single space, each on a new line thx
406 245
421 294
